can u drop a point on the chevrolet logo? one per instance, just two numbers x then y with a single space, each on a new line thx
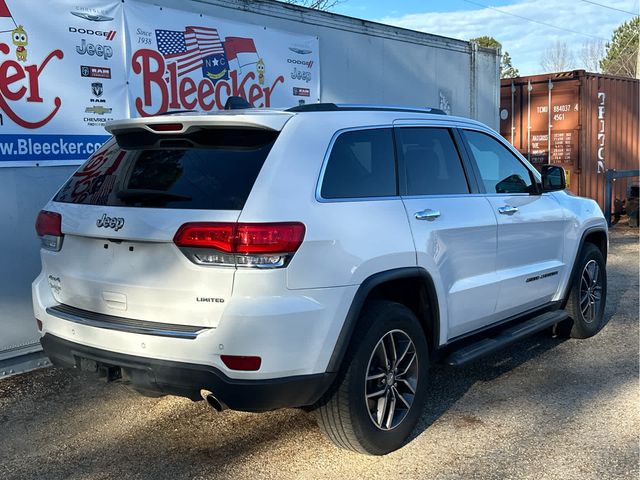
98 110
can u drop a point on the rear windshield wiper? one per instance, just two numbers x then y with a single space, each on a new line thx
133 195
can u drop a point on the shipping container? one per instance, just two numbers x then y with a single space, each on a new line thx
590 118
359 62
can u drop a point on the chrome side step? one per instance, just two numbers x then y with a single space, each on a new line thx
111 322
505 337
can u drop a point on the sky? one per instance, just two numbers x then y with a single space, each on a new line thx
579 21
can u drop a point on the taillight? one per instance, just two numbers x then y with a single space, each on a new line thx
219 236
262 245
240 362
269 238
49 229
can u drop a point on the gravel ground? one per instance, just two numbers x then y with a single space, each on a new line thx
544 408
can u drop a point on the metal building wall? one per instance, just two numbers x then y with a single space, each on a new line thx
367 62
23 191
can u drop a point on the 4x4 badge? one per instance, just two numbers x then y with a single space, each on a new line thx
110 222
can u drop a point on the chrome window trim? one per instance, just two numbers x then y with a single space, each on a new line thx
467 195
443 122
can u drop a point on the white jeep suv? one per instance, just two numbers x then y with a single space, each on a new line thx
319 257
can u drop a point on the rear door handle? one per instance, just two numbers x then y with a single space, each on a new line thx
427 214
507 210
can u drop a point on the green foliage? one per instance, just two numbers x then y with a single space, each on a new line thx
507 70
622 51
487 42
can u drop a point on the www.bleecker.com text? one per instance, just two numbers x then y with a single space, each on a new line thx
29 146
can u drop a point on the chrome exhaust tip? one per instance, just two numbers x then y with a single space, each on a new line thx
212 401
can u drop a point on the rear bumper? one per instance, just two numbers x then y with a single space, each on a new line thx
293 332
186 379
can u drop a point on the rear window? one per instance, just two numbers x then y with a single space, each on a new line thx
214 169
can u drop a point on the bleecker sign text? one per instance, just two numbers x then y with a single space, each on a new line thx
18 83
184 93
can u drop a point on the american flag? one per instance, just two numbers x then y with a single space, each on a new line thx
187 49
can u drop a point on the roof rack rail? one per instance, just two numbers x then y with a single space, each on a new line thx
333 107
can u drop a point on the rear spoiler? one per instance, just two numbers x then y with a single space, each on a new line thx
182 123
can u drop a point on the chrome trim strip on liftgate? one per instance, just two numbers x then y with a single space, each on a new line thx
111 322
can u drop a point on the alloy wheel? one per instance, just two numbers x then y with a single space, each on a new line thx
590 291
392 380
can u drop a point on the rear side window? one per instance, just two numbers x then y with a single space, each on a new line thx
430 162
361 164
212 170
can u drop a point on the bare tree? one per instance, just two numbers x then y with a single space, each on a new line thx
315 4
591 54
557 58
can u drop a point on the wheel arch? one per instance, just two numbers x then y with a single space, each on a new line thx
598 237
593 235
410 286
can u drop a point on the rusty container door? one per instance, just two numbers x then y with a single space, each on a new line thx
544 107
584 122
611 133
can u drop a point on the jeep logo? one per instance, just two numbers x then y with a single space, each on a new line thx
110 222
98 50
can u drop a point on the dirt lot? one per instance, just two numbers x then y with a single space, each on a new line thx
545 408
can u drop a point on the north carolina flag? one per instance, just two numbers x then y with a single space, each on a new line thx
188 49
240 52
6 20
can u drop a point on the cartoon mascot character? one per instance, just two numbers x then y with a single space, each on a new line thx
260 70
20 40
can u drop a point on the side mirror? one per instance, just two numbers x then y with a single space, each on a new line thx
553 178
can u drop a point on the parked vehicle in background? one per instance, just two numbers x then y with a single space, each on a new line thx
321 257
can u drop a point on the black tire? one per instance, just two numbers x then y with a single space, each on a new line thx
344 412
587 317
